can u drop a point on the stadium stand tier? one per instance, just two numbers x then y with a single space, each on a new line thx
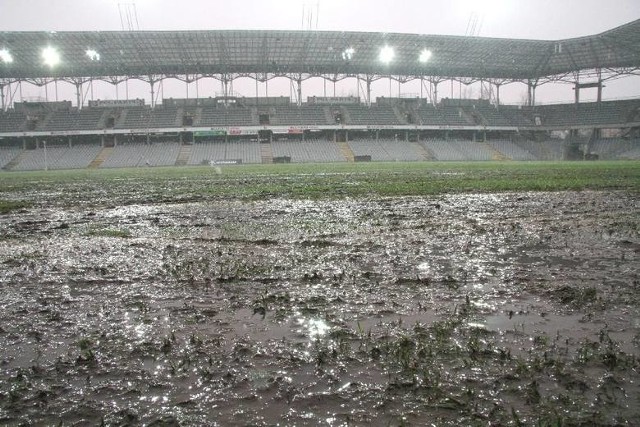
231 128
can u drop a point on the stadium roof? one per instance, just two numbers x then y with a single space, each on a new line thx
166 53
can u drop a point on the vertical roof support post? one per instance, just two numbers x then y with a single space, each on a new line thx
435 90
299 87
368 93
224 79
78 85
599 85
531 92
2 104
151 85
256 79
576 89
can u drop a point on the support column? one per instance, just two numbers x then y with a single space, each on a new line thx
153 94
435 92
2 97
299 83
599 86
531 93
368 91
497 95
256 88
78 94
225 87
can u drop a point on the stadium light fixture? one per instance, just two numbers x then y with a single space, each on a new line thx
93 55
50 56
347 54
386 54
425 55
5 56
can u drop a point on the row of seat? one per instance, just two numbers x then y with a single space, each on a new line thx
141 117
315 150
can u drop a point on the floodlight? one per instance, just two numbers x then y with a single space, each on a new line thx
5 56
347 54
50 56
425 55
93 55
386 54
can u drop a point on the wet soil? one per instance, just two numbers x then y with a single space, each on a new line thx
507 309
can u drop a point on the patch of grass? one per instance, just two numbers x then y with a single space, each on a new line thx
316 181
7 206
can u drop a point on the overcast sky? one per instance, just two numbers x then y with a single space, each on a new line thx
533 19
540 19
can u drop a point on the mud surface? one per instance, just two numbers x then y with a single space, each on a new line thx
509 309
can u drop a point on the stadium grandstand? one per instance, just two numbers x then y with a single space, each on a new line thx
227 128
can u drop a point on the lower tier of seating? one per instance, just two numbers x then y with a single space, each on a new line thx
311 151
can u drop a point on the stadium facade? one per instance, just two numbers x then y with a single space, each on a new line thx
350 128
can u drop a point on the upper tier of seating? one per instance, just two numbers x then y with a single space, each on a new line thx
612 113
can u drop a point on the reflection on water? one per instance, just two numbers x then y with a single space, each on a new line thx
312 313
316 328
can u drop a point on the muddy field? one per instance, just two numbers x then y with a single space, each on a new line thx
493 309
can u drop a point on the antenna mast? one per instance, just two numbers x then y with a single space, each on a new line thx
128 16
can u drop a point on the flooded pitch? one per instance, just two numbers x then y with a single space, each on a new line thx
507 309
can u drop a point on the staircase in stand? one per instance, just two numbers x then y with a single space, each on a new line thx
266 152
346 151
495 154
184 155
422 151
15 161
101 157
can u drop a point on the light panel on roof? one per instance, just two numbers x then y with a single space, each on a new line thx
386 54
5 56
425 55
93 55
347 54
50 56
